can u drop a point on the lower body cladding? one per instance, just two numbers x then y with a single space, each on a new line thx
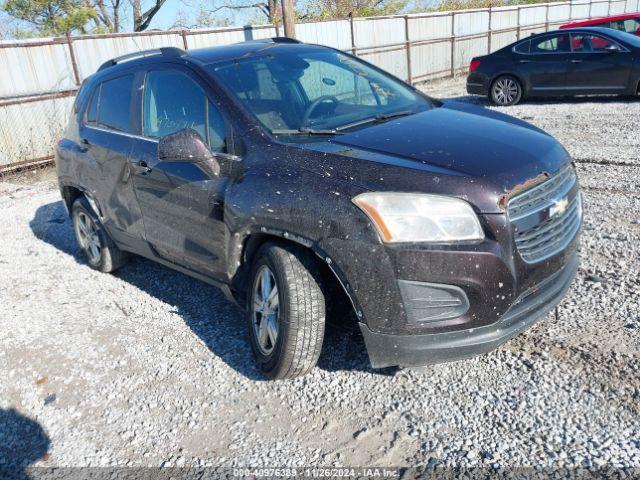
409 350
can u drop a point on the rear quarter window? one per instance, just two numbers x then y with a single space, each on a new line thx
80 97
522 47
91 116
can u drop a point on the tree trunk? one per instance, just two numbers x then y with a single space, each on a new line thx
288 19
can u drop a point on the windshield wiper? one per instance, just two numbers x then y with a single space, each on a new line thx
305 131
377 118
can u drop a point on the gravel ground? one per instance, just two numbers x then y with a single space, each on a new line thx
149 367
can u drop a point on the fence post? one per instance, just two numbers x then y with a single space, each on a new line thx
453 44
489 33
184 39
570 10
353 35
518 29
408 44
546 19
74 64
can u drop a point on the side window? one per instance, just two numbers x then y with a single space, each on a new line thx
173 102
551 44
631 25
589 43
522 47
91 115
115 104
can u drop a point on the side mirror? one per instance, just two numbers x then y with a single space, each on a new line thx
183 146
612 48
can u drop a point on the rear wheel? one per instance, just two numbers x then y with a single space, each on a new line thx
286 311
506 90
99 250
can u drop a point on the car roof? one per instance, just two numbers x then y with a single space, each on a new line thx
205 56
246 49
596 21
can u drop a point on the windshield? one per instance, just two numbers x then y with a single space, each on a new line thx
315 89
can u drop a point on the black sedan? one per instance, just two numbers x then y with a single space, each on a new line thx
581 61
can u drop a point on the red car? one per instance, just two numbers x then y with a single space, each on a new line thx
629 23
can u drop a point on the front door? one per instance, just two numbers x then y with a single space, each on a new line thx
182 202
545 66
594 68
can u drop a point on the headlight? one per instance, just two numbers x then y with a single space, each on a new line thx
414 217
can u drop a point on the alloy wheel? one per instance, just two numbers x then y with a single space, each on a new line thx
87 233
266 309
505 91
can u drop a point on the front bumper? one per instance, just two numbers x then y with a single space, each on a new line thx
387 350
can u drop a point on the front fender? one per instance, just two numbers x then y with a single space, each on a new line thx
305 208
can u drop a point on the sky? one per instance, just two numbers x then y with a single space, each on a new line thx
163 20
167 15
173 9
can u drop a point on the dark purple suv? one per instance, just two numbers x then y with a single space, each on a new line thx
294 175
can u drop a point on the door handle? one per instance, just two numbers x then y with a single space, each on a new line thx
576 61
143 167
525 61
85 144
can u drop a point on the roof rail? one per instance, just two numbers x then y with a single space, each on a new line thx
277 40
165 51
285 40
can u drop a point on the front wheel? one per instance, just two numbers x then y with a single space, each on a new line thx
506 90
286 311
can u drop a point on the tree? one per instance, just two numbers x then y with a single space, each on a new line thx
108 15
334 9
204 19
269 10
52 17
142 19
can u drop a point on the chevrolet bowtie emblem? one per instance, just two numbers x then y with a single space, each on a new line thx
559 207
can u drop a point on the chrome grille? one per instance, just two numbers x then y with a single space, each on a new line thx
546 217
542 195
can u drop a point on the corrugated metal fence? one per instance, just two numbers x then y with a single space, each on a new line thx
40 77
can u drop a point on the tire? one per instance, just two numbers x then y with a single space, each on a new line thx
286 336
98 248
505 90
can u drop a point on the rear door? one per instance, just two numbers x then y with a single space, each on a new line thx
594 69
182 202
105 144
545 65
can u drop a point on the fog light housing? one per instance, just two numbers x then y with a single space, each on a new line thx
432 302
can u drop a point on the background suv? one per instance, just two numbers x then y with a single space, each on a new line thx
293 176
629 23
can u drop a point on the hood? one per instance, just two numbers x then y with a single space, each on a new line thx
457 149
473 141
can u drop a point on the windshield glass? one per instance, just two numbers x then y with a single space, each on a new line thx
314 89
